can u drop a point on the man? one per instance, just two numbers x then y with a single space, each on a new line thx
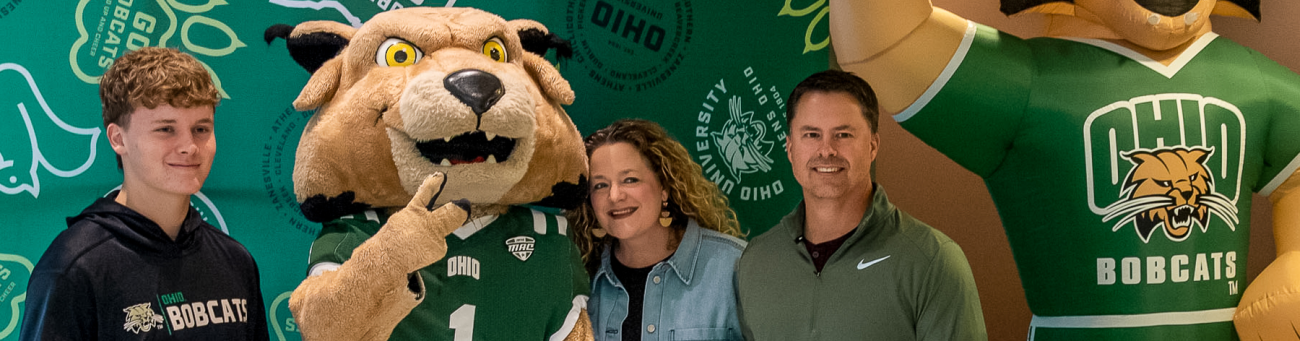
847 264
141 263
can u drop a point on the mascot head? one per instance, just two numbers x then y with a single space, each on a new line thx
1153 24
422 90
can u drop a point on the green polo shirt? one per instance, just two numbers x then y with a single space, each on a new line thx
895 278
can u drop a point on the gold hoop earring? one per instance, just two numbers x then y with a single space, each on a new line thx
665 218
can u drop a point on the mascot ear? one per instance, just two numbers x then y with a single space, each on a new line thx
535 39
538 42
1139 157
314 44
311 43
1199 154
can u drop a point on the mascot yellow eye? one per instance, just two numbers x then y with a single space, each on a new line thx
397 52
495 49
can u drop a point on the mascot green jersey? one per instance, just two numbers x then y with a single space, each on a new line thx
1121 153
1136 192
485 261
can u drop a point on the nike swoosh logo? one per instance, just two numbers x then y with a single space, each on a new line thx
862 265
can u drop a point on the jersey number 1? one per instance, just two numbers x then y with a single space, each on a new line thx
462 321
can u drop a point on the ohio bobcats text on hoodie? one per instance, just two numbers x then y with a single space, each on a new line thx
114 275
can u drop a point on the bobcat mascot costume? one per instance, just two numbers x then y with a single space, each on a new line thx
415 108
1121 153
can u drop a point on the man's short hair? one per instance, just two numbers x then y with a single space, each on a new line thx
152 76
837 81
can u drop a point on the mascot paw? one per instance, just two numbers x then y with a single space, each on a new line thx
420 229
1270 307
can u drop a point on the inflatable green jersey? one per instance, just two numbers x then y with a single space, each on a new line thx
1124 185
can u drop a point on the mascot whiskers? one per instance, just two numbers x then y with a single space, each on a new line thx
1131 116
431 127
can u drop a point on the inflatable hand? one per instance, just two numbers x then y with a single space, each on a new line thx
378 286
1270 306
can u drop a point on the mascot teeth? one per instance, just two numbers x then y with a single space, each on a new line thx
476 147
1183 216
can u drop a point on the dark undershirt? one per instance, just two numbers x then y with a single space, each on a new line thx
822 252
634 282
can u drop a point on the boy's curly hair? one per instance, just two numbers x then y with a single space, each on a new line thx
153 76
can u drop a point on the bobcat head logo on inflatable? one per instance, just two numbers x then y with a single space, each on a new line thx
1171 188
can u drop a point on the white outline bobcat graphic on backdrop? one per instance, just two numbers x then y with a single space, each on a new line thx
10 183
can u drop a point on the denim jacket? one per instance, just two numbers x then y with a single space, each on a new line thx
691 296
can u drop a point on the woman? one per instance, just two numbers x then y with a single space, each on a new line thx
659 239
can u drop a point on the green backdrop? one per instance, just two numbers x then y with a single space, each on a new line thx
715 73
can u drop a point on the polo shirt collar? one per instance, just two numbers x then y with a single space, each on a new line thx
880 210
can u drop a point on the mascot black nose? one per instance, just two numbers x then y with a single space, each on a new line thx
477 89
1168 8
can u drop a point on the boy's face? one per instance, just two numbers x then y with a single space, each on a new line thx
165 150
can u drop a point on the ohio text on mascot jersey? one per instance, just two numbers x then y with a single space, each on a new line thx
431 126
1121 152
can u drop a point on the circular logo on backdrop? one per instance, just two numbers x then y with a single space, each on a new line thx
739 133
110 28
15 271
277 168
629 45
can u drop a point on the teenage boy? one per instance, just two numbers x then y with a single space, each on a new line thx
141 263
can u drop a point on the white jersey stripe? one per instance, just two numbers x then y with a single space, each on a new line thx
1168 71
948 71
562 225
322 267
571 320
1131 321
539 222
1281 177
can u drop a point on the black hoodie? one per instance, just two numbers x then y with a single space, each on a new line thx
114 275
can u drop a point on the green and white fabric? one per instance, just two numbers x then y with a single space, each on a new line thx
1059 128
516 276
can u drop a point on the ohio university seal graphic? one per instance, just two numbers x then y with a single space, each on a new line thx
739 123
741 142
629 45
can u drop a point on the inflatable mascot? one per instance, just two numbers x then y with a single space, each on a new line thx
415 108
1121 153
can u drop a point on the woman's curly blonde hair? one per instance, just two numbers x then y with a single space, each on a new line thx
690 195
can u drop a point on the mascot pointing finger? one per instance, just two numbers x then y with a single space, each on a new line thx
1121 151
431 127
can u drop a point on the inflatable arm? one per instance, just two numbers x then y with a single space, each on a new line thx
1270 306
379 285
901 46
